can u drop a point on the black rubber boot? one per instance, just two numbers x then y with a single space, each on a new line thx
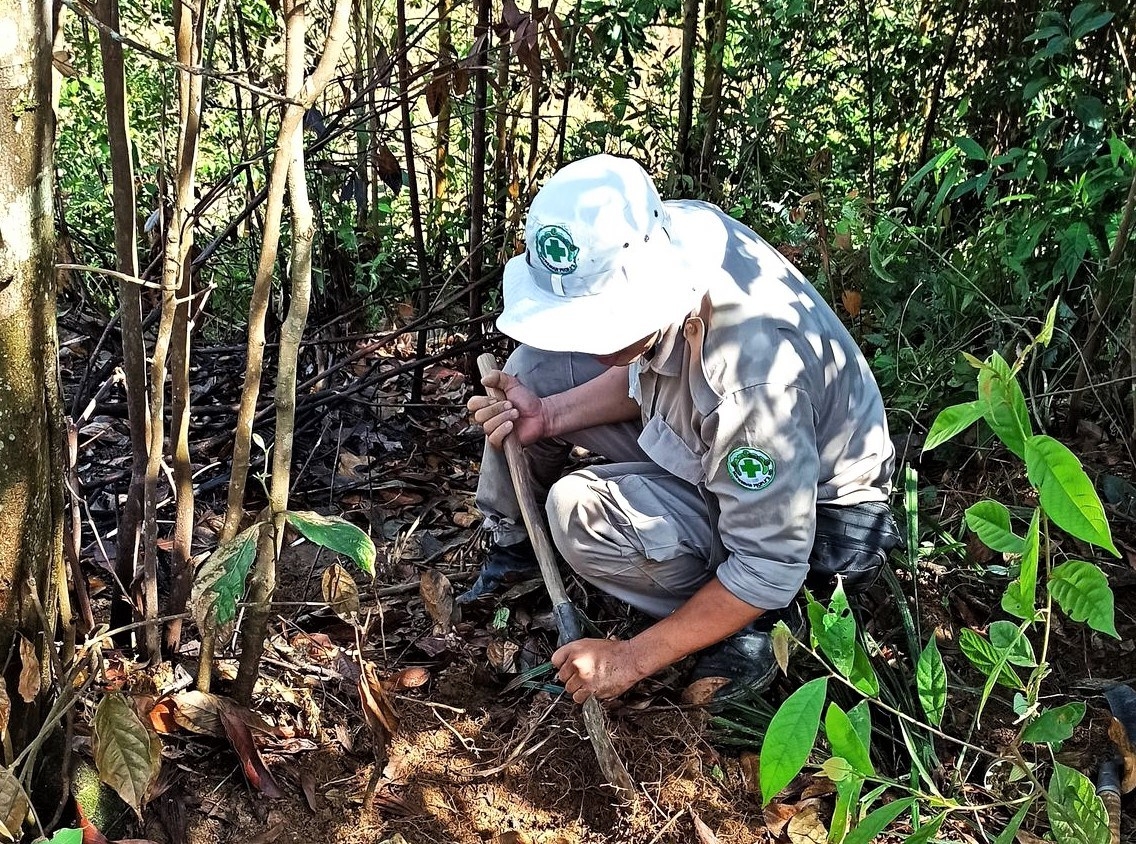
746 658
504 565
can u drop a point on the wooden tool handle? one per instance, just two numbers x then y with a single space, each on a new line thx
530 512
567 622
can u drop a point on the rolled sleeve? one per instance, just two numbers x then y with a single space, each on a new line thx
762 468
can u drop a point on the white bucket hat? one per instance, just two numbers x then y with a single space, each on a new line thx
600 270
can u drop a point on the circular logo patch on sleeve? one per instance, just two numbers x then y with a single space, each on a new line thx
751 467
556 250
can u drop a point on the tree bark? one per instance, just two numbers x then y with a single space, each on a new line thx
31 432
683 153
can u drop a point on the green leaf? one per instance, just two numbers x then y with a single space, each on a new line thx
1076 814
790 737
991 521
66 836
848 790
834 630
845 741
220 581
127 755
986 658
1054 725
952 421
971 148
876 822
838 770
336 534
861 717
1010 833
1082 592
1003 404
931 683
863 676
1066 493
1008 638
926 832
1020 598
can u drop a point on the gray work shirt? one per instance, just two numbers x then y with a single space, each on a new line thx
763 400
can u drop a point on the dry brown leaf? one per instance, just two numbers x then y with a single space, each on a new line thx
818 787
502 655
437 92
162 716
1024 837
411 678
199 712
751 771
308 786
700 692
340 592
513 836
5 707
806 827
13 804
30 672
704 833
240 737
388 168
842 241
777 815
1119 736
378 710
852 301
438 596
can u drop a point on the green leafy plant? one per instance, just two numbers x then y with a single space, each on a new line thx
1005 655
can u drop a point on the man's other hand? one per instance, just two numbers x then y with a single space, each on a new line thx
603 668
521 412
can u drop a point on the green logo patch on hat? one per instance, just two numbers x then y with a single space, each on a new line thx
556 250
751 467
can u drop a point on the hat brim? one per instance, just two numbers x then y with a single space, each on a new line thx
657 291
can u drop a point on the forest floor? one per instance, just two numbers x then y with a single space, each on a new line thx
414 722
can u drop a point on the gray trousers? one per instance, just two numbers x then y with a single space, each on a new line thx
628 527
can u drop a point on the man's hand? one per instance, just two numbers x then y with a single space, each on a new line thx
604 668
522 411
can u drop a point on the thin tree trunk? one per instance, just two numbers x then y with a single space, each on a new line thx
536 79
502 165
477 203
717 16
569 83
412 188
442 127
130 307
683 152
31 429
290 151
189 24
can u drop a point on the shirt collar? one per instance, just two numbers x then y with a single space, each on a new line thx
666 355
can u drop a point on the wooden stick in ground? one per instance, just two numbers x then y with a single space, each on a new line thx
595 719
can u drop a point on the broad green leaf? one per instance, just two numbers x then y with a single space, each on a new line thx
220 581
1082 592
926 832
834 630
991 521
127 755
877 821
14 805
931 683
66 836
1020 598
1066 493
971 148
848 790
1010 833
952 421
1076 814
863 676
790 737
845 741
838 769
1054 725
986 658
1009 638
861 717
1003 404
336 534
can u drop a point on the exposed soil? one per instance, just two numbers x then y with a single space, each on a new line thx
485 748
